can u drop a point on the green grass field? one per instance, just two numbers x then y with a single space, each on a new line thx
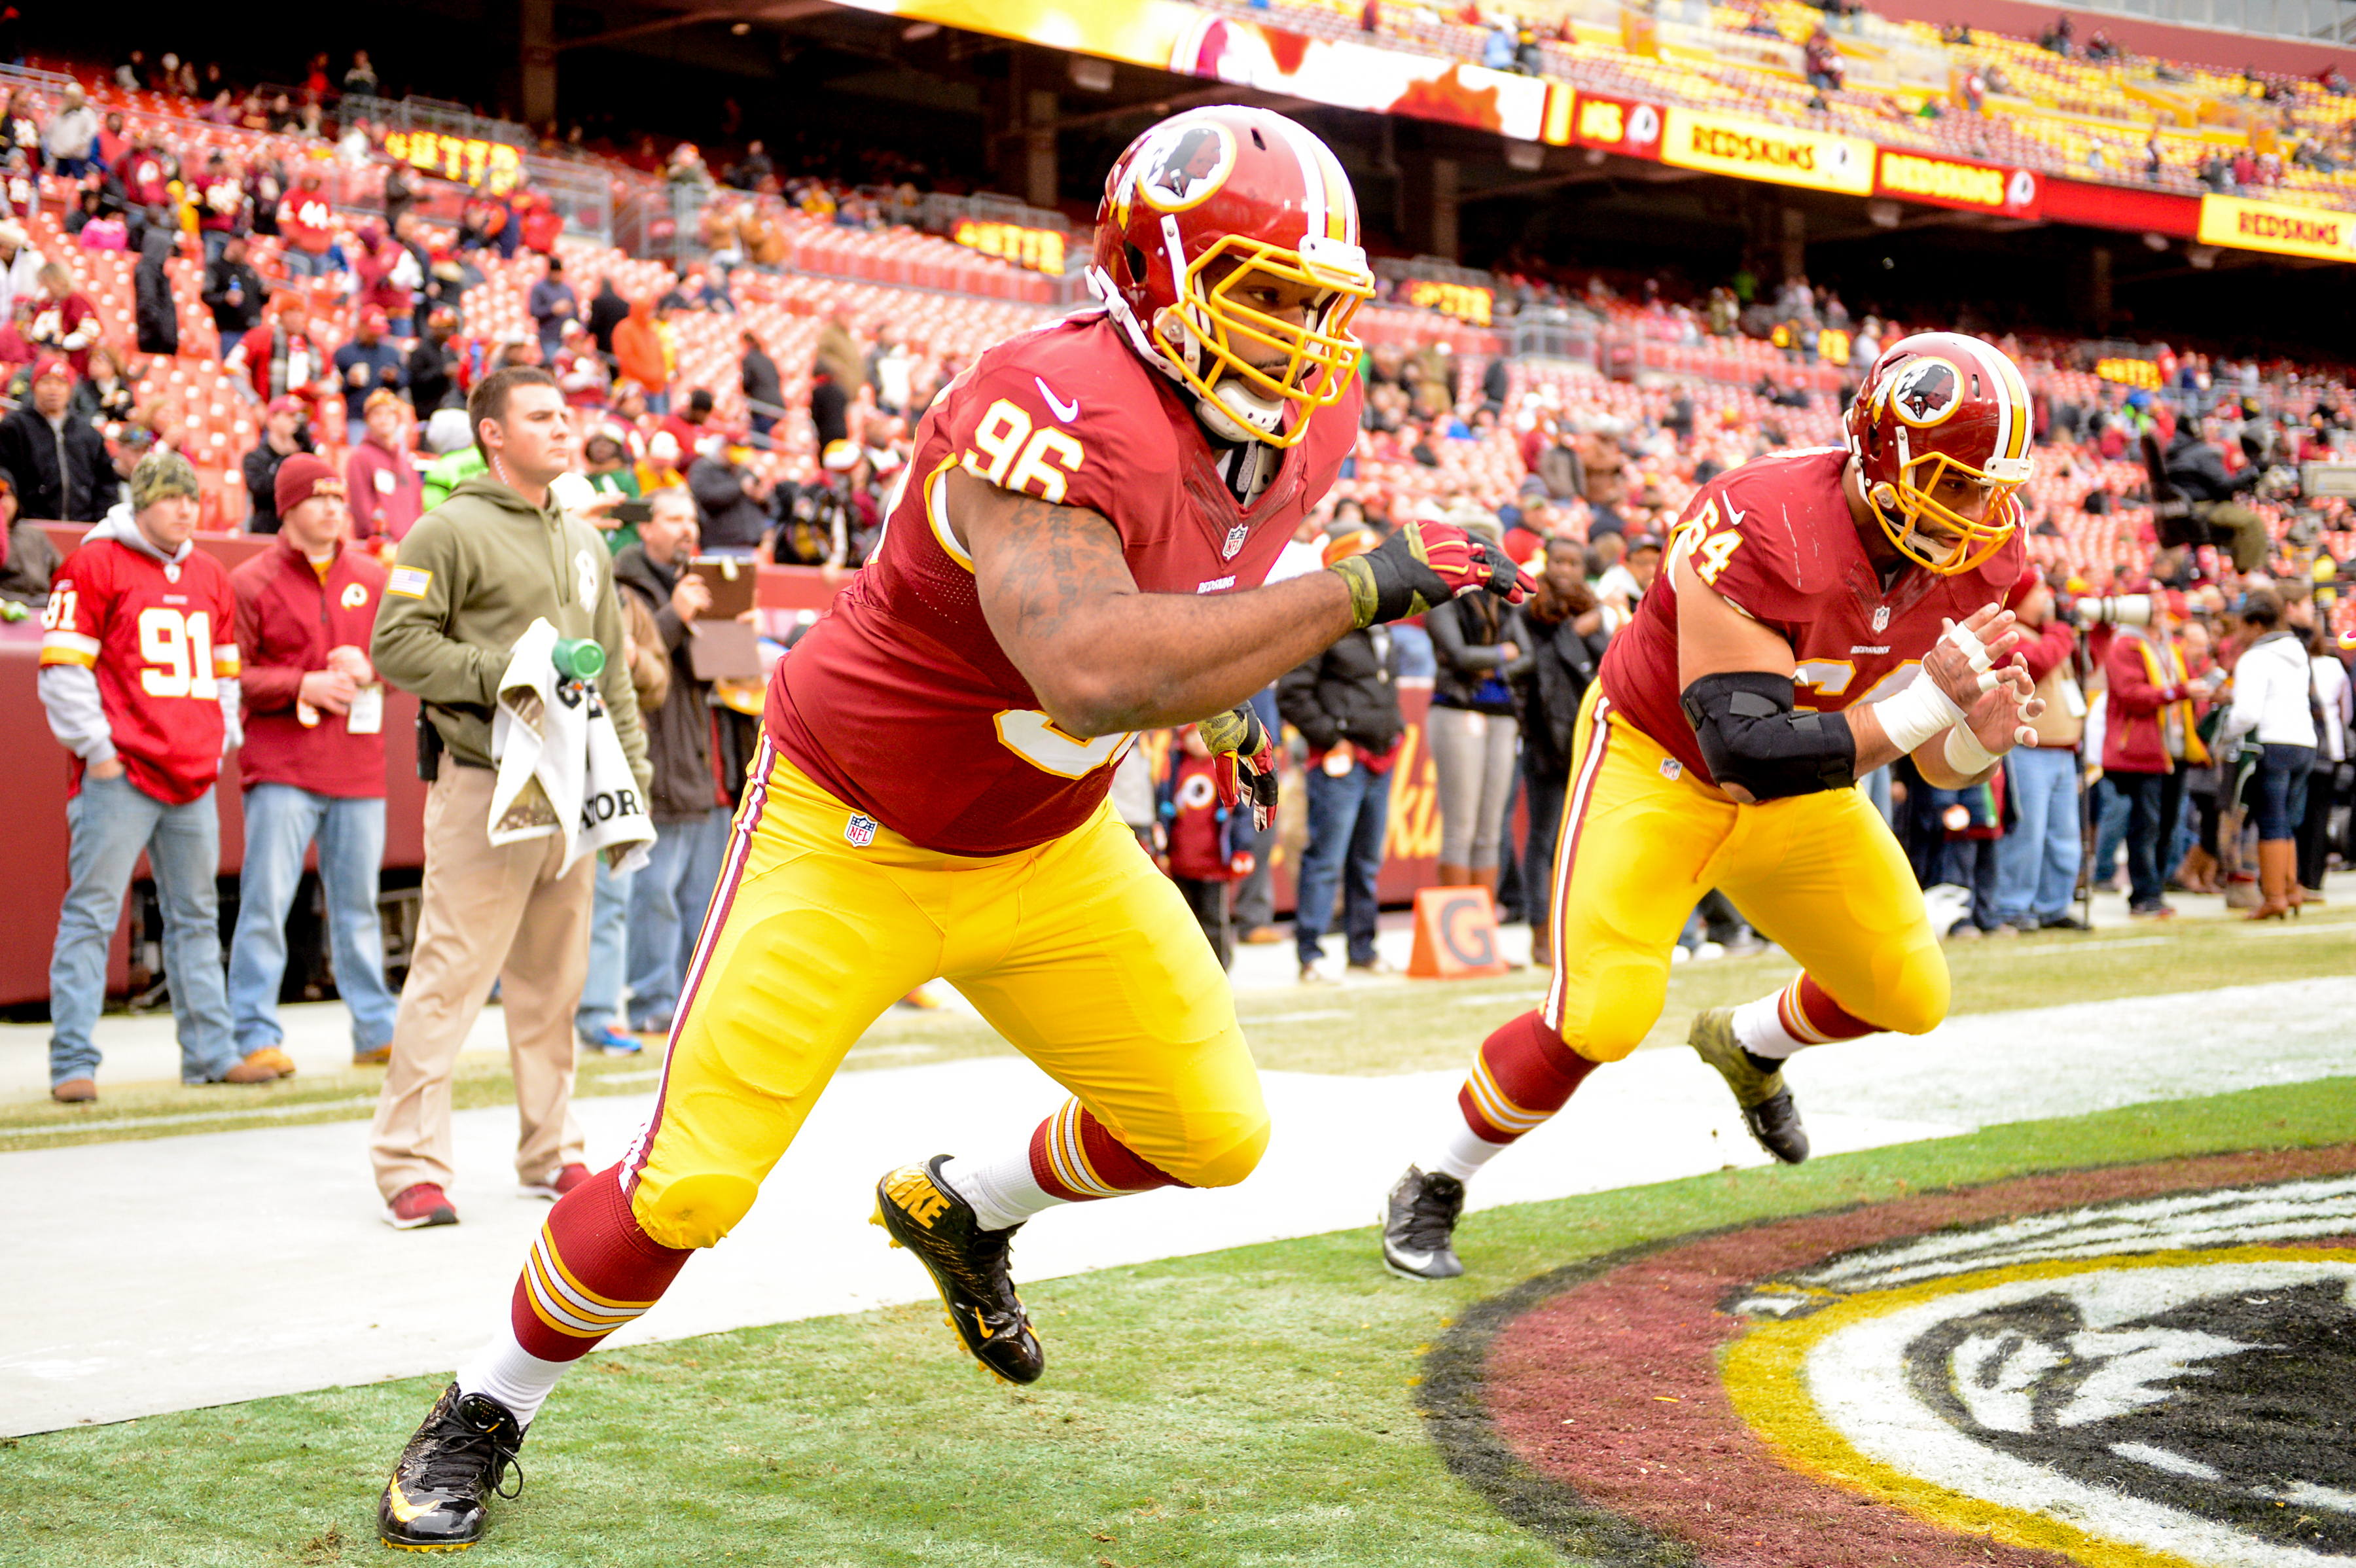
1403 1027
1241 1408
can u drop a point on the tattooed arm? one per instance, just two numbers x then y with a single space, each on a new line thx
1104 657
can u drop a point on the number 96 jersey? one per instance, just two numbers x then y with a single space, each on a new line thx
1774 538
900 702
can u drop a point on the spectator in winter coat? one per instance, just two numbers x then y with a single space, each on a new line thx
281 357
434 364
313 761
2036 862
608 311
233 290
1344 703
2148 737
551 305
61 320
691 815
32 559
733 504
222 207
2197 468
146 752
386 491
829 407
1562 627
284 433
388 275
71 137
1209 845
306 221
638 355
20 270
757 374
157 313
59 461
2273 704
369 362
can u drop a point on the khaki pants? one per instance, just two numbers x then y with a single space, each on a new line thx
487 913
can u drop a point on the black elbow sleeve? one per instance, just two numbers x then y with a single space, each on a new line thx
1751 736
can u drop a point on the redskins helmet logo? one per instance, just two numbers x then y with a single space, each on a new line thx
1926 392
1183 164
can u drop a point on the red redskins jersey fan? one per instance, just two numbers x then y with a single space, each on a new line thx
1938 406
1147 413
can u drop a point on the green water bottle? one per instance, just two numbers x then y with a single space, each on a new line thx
579 658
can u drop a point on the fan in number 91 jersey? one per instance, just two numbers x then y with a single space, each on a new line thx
161 637
900 701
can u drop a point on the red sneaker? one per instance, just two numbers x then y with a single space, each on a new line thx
424 1204
556 1184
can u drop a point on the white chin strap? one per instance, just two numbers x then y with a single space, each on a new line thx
1238 413
1234 412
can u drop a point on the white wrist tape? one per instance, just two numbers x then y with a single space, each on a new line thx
1914 715
1965 754
1968 642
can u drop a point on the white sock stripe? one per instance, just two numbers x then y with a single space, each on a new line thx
1064 1152
1501 1112
581 1300
512 1375
564 1315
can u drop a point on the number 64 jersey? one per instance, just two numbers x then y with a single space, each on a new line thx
900 702
1774 538
161 638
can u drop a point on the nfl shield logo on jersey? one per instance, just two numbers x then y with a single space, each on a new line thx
860 832
1882 618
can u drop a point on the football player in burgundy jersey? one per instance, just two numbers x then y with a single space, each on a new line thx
1078 554
1820 614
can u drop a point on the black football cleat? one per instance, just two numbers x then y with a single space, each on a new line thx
1767 1108
968 1263
1420 1226
440 1487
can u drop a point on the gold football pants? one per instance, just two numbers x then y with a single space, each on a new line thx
1821 874
1078 951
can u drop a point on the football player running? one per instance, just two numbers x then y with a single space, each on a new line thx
1822 613
1077 554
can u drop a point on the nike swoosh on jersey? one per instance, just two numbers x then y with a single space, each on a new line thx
1733 517
1066 411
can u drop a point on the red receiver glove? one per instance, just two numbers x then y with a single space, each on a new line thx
1244 760
1426 564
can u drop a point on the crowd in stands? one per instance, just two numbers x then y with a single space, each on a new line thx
2090 110
283 350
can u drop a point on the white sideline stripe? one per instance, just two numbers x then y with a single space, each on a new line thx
61 1129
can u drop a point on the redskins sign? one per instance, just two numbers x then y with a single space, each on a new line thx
2115 1369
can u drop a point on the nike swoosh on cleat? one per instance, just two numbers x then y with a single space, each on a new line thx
1066 411
402 1508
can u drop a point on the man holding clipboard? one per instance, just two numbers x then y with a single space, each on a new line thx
696 604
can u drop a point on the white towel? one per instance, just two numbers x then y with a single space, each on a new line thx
561 768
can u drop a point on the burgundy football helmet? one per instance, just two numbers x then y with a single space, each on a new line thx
1938 406
1199 206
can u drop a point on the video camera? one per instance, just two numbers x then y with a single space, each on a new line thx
2104 609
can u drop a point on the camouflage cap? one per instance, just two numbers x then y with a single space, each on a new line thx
160 476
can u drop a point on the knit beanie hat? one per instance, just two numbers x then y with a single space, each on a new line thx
161 474
300 478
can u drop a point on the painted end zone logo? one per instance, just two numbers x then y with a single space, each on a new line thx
2109 1368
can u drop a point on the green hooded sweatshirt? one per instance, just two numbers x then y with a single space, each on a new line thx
472 577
